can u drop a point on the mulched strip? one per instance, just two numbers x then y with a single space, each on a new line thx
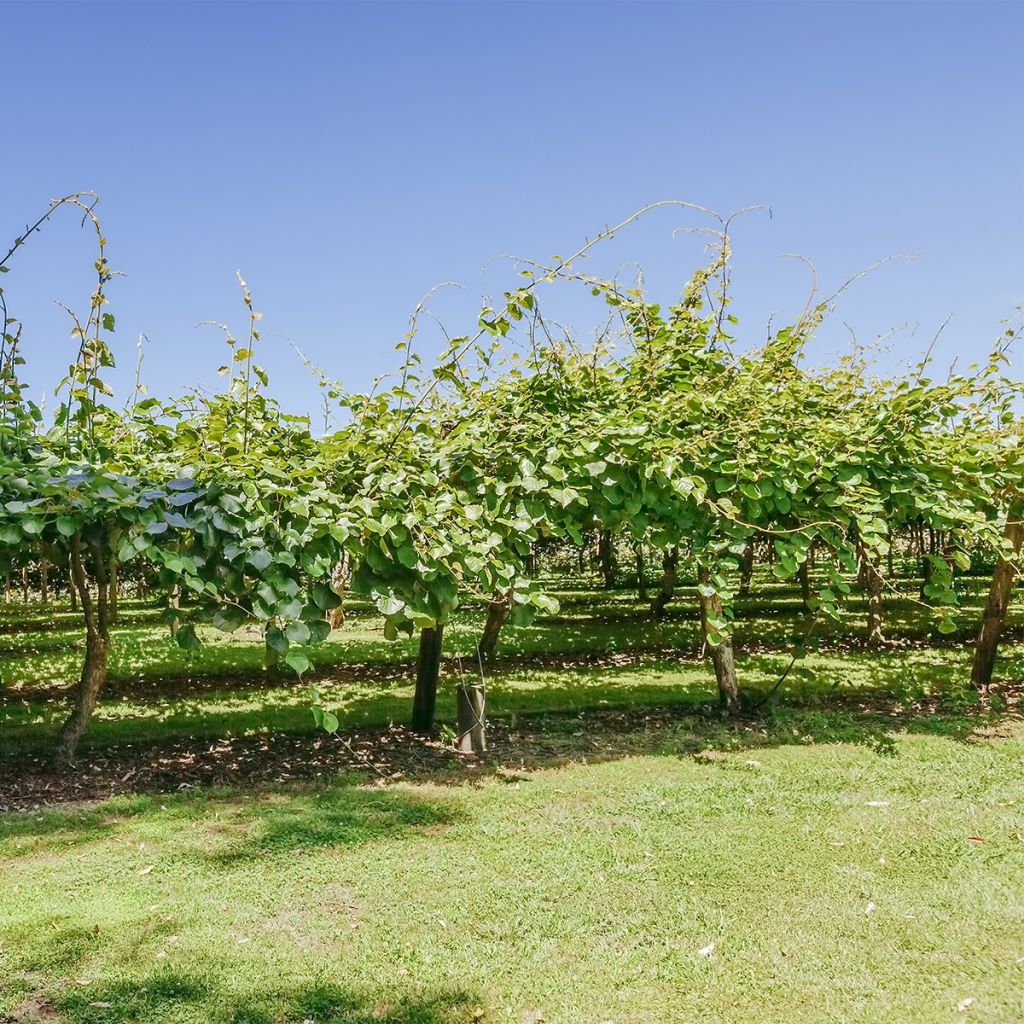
260 760
382 755
395 753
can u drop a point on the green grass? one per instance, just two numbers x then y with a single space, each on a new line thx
48 644
366 679
854 854
585 892
30 725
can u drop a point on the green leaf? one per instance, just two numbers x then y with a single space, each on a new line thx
297 661
390 606
186 637
259 559
276 639
324 597
297 632
228 619
319 629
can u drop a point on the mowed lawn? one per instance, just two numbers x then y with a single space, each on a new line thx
825 882
833 859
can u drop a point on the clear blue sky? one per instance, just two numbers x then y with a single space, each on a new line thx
347 157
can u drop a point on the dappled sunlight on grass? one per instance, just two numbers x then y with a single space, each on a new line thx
591 623
587 891
617 830
905 675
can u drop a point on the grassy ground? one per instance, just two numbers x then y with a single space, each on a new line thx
854 853
828 882
602 649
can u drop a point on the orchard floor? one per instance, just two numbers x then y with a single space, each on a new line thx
845 881
853 851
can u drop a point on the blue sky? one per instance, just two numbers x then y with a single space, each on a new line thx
347 157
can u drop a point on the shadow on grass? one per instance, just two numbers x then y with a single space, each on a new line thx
336 811
59 622
349 815
873 719
238 826
166 994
